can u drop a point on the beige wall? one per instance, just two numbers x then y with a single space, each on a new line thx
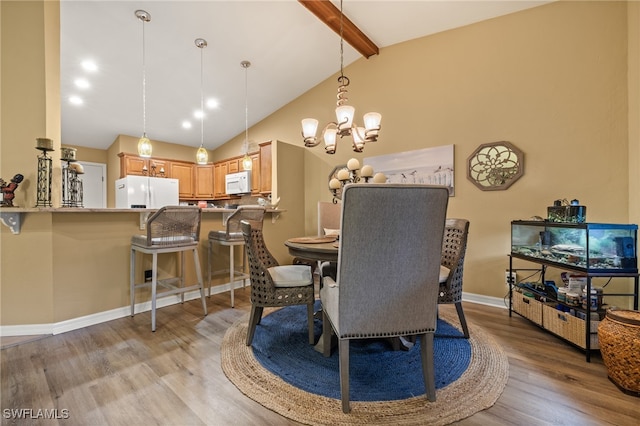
30 108
553 80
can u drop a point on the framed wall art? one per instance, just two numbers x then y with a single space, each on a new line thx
430 166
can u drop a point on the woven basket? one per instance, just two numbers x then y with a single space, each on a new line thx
619 335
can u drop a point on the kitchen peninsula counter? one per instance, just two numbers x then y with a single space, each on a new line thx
70 267
12 216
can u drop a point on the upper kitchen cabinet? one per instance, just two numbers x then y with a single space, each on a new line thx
204 188
265 168
219 172
255 173
233 165
137 166
183 171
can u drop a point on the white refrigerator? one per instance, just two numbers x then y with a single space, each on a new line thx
146 192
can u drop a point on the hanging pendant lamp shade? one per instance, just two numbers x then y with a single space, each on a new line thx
144 144
202 156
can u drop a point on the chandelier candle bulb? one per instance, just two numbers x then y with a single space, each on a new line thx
334 183
366 171
343 174
353 164
379 178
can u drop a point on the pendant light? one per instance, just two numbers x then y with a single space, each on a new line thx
144 144
247 162
202 156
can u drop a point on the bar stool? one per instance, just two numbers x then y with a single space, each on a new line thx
172 229
231 237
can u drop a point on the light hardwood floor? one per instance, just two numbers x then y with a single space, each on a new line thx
120 373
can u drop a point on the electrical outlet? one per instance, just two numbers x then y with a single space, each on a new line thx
513 279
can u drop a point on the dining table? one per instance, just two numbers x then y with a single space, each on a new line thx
321 248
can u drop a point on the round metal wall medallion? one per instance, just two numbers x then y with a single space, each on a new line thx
495 166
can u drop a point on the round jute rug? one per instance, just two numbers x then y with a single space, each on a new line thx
477 389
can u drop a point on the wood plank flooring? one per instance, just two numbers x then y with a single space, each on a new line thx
120 373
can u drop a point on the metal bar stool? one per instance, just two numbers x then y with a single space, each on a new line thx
231 237
172 229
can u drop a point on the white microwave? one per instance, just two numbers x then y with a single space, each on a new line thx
238 183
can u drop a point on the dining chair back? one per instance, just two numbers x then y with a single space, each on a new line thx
328 218
388 271
231 236
454 248
274 285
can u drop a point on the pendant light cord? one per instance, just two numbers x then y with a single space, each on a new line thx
144 85
201 98
246 109
341 44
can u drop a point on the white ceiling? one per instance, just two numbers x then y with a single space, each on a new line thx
291 51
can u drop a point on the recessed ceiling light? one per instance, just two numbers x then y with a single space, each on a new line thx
76 100
212 103
81 83
186 124
198 114
89 65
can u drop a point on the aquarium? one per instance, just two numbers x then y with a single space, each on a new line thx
589 247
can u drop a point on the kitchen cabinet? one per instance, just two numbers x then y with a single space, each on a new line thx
137 166
219 173
233 165
255 173
265 168
183 171
587 251
204 181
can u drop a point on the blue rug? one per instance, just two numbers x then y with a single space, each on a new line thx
377 373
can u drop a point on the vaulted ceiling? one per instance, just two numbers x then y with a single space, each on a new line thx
289 48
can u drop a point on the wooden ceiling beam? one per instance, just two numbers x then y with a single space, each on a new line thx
330 15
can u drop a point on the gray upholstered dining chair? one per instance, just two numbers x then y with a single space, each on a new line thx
388 271
232 237
171 229
454 247
328 218
274 285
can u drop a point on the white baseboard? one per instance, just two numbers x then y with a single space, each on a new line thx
496 302
100 317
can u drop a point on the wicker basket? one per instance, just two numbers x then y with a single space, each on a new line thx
528 307
619 335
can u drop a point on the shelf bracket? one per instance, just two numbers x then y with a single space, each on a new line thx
12 220
275 215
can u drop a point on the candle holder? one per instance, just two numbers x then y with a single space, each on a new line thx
44 172
72 192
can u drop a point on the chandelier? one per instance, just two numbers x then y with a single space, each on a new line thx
144 144
344 124
202 156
